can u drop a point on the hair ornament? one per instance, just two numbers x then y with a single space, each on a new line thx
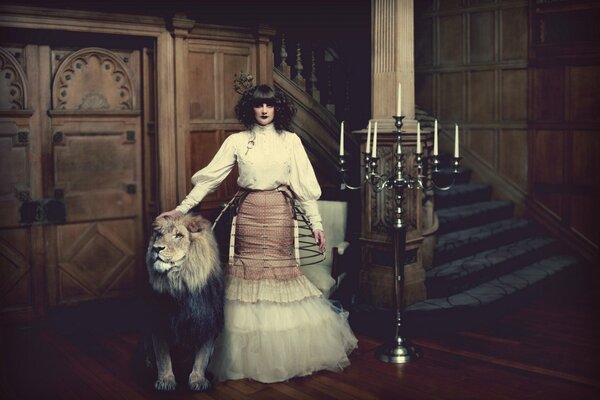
243 82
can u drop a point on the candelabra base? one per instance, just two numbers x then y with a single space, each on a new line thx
400 351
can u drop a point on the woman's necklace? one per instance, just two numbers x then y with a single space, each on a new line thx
250 142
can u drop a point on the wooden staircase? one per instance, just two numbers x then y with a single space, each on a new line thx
483 257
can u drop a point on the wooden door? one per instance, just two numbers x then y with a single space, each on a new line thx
21 286
77 178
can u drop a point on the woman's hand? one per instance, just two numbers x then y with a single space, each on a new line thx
319 236
172 214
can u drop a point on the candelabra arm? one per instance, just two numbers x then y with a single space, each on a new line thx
344 173
419 178
455 172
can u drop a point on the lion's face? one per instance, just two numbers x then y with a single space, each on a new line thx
172 240
171 244
182 254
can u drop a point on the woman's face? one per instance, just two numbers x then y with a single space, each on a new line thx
264 114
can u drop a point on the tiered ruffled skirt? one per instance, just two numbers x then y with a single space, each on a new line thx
277 324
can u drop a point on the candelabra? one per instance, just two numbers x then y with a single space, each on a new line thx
400 350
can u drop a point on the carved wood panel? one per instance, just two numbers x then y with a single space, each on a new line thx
15 167
378 216
96 259
547 173
92 79
96 167
482 99
513 98
379 208
482 37
16 276
204 146
383 205
583 213
450 96
450 36
13 85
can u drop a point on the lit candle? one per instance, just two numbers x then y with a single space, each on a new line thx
418 137
399 102
368 150
342 139
456 140
375 142
435 138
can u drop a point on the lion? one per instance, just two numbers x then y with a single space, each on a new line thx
186 298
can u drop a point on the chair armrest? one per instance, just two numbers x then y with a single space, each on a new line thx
337 262
341 248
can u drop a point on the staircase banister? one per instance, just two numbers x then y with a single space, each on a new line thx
326 145
305 100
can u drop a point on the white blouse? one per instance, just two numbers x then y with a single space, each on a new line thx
266 160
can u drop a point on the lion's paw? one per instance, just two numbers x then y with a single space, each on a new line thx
165 384
198 384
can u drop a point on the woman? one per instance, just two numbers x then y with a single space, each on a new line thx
277 324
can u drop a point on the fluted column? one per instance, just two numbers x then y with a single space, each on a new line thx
392 63
392 40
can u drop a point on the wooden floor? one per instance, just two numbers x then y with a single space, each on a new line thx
546 349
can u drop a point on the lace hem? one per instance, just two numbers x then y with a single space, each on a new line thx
278 291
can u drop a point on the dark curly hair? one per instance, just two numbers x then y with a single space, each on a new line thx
256 96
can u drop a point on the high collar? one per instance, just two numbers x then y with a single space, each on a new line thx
262 129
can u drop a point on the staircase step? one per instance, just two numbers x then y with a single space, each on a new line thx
467 216
462 194
435 316
498 288
459 275
453 245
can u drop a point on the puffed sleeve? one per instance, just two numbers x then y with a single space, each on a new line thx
210 177
304 184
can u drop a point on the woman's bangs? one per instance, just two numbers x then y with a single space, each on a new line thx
269 101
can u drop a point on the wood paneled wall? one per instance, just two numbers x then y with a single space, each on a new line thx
522 79
210 102
207 60
564 138
471 69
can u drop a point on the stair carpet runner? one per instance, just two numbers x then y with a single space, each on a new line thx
483 254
